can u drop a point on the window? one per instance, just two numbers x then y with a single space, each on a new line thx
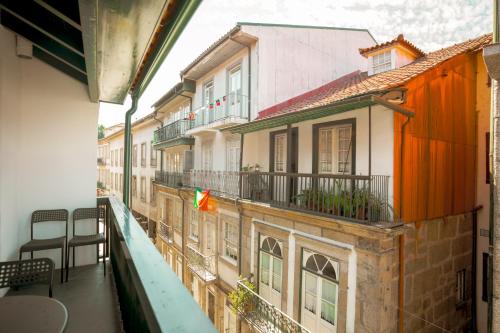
208 94
112 181
229 320
193 225
270 272
280 152
121 183
461 286
233 155
206 156
134 186
143 154
381 62
230 241
121 157
235 97
210 236
134 156
319 291
116 181
143 189
173 162
152 162
334 147
113 158
152 193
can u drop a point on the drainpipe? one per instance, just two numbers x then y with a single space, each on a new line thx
474 269
161 150
127 165
402 237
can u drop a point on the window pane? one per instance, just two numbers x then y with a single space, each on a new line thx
277 274
310 292
328 296
264 268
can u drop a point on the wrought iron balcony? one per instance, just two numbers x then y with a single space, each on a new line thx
166 232
170 179
172 131
222 112
219 182
264 316
353 197
201 264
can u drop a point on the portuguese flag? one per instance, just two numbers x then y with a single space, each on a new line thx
201 199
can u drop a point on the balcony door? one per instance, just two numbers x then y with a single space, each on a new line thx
319 293
235 102
211 306
208 102
281 187
271 271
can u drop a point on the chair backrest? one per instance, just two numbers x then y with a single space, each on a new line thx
26 272
52 215
87 214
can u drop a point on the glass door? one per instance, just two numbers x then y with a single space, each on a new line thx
234 105
208 103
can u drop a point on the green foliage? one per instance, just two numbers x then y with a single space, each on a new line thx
241 298
249 168
100 185
100 131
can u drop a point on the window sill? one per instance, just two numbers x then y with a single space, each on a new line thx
229 260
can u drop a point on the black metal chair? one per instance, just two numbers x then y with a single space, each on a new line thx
15 274
81 214
52 215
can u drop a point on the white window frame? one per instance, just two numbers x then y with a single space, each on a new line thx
230 240
207 156
194 225
280 152
233 151
332 149
143 188
382 62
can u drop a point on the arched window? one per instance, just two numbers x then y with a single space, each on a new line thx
319 292
270 270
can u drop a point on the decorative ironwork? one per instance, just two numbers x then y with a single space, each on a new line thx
173 130
166 232
218 182
353 197
265 317
203 265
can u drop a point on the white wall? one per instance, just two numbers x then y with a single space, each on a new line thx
256 145
291 61
48 148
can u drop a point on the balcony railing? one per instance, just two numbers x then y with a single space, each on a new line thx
203 265
219 182
265 317
166 232
101 161
359 198
352 197
231 106
151 297
172 131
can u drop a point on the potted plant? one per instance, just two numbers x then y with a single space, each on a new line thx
241 297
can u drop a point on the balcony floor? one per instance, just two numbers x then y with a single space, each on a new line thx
90 298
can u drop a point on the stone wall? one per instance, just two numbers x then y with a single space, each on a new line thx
434 252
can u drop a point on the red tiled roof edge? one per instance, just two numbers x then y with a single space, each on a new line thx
398 40
337 83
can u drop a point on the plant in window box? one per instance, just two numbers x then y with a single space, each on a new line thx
241 297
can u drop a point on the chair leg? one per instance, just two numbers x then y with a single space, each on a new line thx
20 255
74 250
50 291
31 254
62 265
67 262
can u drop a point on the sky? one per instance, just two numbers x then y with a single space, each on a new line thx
429 24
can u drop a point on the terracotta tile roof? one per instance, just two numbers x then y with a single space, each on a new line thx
358 83
398 40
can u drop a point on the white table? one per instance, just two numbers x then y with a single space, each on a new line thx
29 313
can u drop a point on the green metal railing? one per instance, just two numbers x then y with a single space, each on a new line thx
152 298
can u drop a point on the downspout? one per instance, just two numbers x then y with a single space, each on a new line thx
474 269
161 150
494 102
127 165
401 237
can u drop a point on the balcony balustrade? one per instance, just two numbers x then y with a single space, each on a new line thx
201 264
264 316
174 130
351 197
166 232
230 108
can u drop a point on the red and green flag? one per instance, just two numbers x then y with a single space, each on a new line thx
201 199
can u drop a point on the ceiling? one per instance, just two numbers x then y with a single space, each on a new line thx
114 47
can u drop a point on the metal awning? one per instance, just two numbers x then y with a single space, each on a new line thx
114 47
